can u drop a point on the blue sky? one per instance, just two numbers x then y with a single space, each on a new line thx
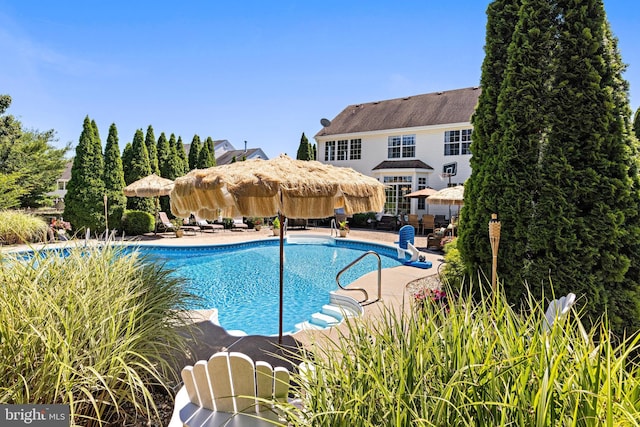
255 71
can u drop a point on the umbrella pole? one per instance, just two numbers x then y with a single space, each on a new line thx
281 219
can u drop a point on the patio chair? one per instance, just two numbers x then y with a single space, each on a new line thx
428 223
239 224
164 223
413 221
230 389
205 225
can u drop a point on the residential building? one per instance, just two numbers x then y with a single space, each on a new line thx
225 152
407 143
61 186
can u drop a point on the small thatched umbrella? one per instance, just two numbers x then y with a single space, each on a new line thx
448 196
149 186
422 194
280 186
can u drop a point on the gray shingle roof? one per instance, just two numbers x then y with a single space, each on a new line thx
403 164
226 158
453 106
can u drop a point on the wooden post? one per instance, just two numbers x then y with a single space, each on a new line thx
494 238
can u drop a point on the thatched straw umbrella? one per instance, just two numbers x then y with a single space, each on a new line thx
448 196
280 186
150 186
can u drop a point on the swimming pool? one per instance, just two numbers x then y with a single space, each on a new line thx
242 280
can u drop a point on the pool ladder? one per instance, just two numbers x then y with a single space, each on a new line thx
366 294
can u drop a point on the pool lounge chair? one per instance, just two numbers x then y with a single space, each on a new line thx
229 389
205 225
239 224
164 223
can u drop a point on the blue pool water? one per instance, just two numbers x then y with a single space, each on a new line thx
242 280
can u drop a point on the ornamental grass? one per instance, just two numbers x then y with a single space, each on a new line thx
93 329
471 363
18 227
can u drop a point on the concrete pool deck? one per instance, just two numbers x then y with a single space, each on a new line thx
208 338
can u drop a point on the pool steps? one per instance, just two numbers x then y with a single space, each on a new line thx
332 314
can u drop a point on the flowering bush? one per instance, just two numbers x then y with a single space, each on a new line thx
59 224
424 295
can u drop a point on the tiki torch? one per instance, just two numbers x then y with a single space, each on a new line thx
494 238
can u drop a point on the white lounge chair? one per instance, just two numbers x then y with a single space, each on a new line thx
229 390
164 223
205 225
238 223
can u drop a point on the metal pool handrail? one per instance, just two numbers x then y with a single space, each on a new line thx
366 295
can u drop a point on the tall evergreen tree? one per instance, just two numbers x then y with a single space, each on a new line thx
127 160
305 149
212 149
139 168
522 125
164 154
182 155
166 158
114 179
483 187
636 124
84 206
206 158
152 149
194 152
624 302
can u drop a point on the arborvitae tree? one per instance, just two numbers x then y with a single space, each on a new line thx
483 186
636 124
150 142
114 180
233 159
164 154
194 152
212 149
139 168
305 150
165 160
127 160
587 187
625 301
522 125
315 152
206 158
84 203
182 155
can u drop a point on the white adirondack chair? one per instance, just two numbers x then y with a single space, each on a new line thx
229 390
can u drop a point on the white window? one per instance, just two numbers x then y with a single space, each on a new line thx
342 149
401 146
396 188
457 142
422 184
356 149
330 151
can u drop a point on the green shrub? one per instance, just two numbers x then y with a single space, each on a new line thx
360 219
469 364
453 270
135 223
17 227
94 330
